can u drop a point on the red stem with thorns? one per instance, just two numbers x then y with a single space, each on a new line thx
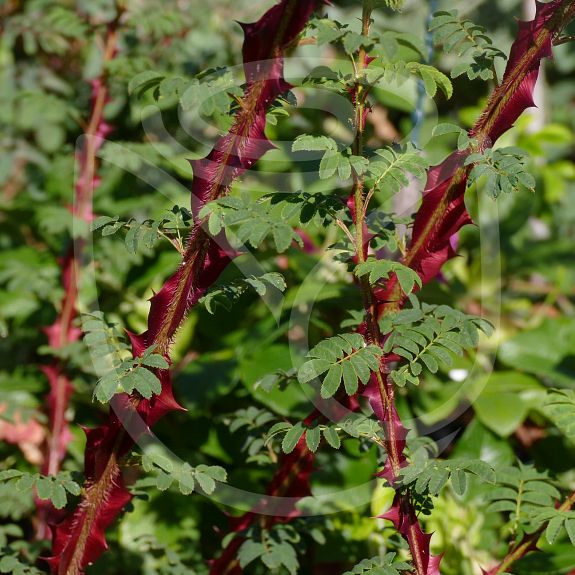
440 216
80 538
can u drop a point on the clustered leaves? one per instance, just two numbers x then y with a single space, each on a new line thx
53 488
428 336
504 169
253 423
376 270
149 231
467 40
396 58
10 563
345 357
123 374
164 472
333 160
211 93
274 548
383 72
529 497
225 295
560 405
354 425
386 565
390 169
428 476
249 222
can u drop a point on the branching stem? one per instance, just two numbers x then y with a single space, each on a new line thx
527 543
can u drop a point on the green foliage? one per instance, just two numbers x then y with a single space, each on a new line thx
149 231
382 72
504 169
390 167
160 25
10 563
560 406
54 34
358 425
305 208
165 471
381 269
225 295
386 230
542 351
429 336
332 160
506 399
465 39
330 31
393 4
54 488
389 64
27 278
464 141
280 379
354 424
253 422
275 548
210 94
163 110
105 344
123 374
428 476
161 559
527 495
344 357
557 521
385 565
246 221
14 504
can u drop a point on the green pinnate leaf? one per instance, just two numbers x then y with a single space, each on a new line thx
446 128
332 437
332 381
225 295
468 41
143 381
164 481
570 529
44 488
313 143
328 164
214 471
59 497
553 528
249 551
312 438
344 357
144 81
560 408
156 361
292 437
503 168
206 482
186 482
459 481
102 221
312 369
